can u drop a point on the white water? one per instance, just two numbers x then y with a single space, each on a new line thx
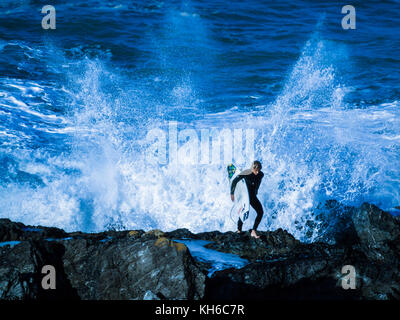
313 147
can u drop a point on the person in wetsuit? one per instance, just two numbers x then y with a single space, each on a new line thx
252 177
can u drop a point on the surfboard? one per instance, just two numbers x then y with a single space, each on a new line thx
241 204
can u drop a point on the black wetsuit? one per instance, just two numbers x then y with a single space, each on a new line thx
253 183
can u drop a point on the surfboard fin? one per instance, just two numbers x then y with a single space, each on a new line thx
231 170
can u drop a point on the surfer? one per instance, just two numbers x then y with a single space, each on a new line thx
252 177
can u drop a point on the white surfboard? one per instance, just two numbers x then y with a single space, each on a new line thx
241 205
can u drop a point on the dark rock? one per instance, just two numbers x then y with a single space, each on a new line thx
294 279
274 244
21 271
181 234
285 268
88 268
335 223
18 272
378 232
127 269
135 264
15 231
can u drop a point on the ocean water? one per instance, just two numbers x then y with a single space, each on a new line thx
217 260
112 120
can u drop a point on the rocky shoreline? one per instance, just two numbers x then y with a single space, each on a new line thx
139 265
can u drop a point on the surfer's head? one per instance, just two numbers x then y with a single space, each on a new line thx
256 167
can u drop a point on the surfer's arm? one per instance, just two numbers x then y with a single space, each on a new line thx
234 183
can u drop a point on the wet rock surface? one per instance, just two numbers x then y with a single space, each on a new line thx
110 265
135 264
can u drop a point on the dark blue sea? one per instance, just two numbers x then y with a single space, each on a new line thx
126 115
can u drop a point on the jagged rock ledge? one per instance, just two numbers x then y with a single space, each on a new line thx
151 265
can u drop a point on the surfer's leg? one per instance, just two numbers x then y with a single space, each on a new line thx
239 225
256 204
